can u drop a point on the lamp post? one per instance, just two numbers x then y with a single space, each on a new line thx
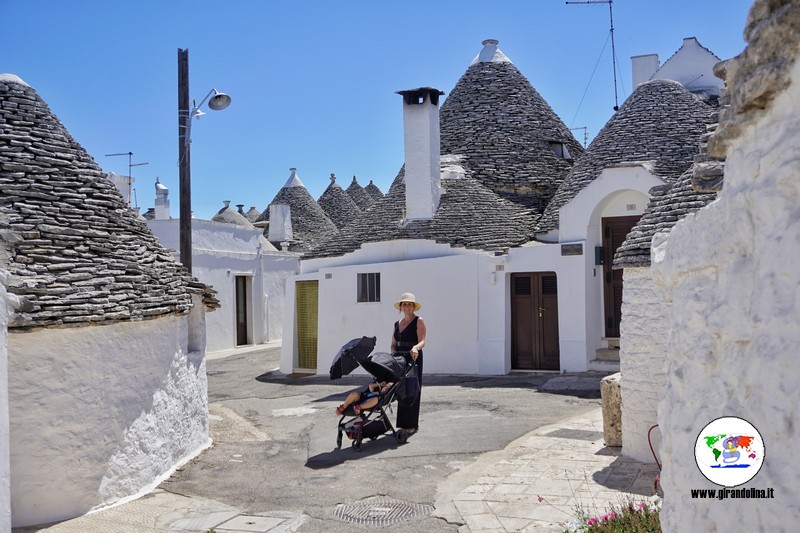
217 102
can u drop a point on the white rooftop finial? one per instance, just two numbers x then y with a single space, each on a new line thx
490 53
294 179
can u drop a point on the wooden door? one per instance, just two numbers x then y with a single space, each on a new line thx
615 230
307 316
534 321
242 305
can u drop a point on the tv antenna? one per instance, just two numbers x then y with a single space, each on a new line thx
585 134
130 155
613 48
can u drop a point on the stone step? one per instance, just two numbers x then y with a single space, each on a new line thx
611 342
607 354
604 366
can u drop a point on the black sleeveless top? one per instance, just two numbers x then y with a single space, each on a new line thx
407 338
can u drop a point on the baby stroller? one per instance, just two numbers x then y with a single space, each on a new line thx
373 422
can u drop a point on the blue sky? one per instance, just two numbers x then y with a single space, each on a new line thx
313 82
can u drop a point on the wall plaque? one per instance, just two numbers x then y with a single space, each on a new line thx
572 249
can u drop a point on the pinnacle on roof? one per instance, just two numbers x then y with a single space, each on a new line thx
294 179
362 199
660 124
310 224
338 205
252 213
373 190
490 53
512 139
228 215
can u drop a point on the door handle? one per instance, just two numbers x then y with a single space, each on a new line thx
540 311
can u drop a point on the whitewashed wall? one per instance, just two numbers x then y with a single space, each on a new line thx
466 303
449 310
220 252
100 414
643 351
735 323
6 309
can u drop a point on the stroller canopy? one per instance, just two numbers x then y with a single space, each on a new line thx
351 355
385 366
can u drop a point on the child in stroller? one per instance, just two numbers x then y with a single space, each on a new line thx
365 398
389 372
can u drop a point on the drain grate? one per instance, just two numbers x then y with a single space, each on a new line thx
381 511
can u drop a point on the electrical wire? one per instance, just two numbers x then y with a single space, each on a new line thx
590 79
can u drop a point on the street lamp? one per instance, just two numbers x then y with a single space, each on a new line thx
217 102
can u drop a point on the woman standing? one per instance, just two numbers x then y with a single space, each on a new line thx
409 336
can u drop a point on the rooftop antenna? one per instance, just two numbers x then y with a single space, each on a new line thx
585 134
130 155
613 49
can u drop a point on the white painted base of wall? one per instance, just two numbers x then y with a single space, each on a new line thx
98 414
643 352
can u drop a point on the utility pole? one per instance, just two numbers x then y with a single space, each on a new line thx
185 184
613 48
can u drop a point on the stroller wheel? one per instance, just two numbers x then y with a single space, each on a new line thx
339 440
357 445
402 436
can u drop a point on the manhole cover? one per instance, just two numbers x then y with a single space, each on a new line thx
381 511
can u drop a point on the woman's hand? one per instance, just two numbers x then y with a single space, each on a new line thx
414 353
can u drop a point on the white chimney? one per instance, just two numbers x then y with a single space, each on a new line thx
422 151
162 202
280 223
643 68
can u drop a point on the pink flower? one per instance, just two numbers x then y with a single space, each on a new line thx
592 521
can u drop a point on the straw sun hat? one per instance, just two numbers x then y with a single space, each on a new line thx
407 297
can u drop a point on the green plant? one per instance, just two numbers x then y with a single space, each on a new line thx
629 517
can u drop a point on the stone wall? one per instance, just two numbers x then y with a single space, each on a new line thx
643 349
735 289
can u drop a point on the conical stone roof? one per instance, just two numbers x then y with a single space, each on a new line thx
469 216
373 190
228 215
252 213
77 254
660 124
507 131
362 199
310 224
338 205
668 204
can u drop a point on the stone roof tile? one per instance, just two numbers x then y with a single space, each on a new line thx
660 123
310 224
668 204
362 199
77 254
507 132
338 205
469 216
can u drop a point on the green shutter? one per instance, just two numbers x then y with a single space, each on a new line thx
306 305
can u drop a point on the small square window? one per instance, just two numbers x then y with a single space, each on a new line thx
560 150
369 287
